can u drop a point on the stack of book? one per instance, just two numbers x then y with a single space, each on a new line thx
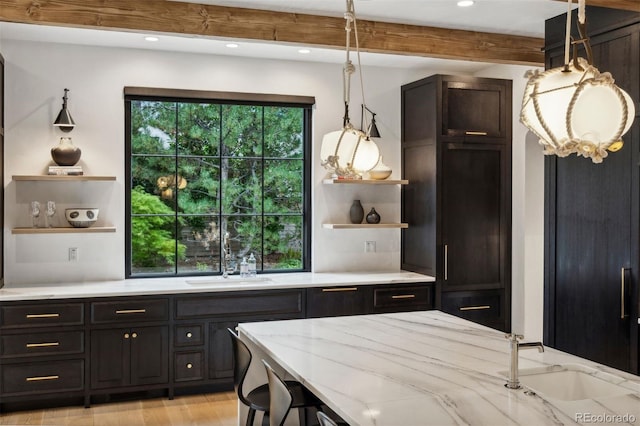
66 170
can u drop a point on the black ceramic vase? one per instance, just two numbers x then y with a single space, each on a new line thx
356 212
373 216
65 153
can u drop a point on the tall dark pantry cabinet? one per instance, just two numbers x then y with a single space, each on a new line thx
592 215
456 152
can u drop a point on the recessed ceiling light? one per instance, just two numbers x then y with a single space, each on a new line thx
231 45
304 51
465 3
150 38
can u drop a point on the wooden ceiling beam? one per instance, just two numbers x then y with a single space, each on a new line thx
632 5
193 19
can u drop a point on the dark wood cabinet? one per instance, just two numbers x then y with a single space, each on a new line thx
456 152
337 301
592 216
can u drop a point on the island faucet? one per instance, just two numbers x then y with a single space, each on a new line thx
513 382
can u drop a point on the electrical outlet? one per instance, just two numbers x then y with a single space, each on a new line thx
369 246
73 254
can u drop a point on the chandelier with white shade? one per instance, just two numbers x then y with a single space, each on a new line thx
576 109
349 152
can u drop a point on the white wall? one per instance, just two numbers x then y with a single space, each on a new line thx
527 271
37 73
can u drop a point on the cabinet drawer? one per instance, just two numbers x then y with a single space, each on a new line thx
483 307
189 366
130 310
188 335
249 303
33 344
402 298
41 315
43 377
338 301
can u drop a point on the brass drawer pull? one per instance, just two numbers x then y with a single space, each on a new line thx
126 335
189 335
189 365
131 311
471 133
475 308
404 296
329 290
42 345
134 335
41 378
31 316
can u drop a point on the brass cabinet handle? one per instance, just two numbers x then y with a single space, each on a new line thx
446 262
328 290
31 316
475 308
42 345
189 365
41 378
189 335
131 311
404 296
472 133
126 335
134 335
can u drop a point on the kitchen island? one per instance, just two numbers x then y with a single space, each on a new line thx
426 368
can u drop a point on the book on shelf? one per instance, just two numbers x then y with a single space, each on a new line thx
66 170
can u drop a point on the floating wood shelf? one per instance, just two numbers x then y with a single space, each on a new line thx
60 178
363 225
65 230
365 182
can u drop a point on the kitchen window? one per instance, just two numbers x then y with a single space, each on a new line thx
212 170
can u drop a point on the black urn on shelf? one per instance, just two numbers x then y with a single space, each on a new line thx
373 216
356 212
65 153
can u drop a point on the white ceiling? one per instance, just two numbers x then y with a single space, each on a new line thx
519 17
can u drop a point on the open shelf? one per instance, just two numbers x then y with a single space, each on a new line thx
363 225
365 182
60 178
65 230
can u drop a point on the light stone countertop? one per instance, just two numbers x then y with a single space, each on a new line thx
426 368
174 285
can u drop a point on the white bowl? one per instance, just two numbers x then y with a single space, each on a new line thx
81 217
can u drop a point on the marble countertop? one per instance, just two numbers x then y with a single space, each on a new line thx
151 286
428 368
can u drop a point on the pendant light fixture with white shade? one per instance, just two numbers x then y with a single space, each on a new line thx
347 153
576 109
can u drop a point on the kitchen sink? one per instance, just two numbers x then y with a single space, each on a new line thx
231 280
572 382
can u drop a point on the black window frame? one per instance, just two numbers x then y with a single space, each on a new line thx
306 103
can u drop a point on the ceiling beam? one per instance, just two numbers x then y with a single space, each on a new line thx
632 5
193 19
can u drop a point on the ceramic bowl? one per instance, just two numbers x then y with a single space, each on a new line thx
379 174
81 217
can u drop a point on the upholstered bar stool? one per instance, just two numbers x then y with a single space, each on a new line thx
258 399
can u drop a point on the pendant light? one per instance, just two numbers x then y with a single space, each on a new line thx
576 109
347 153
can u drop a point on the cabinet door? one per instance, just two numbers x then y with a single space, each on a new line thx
476 110
149 355
475 217
337 301
591 266
110 366
220 350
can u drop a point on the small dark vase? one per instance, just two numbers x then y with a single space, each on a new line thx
373 216
356 212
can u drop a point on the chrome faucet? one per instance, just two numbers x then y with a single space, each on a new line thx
226 257
513 382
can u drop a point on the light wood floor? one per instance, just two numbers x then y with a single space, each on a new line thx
216 409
